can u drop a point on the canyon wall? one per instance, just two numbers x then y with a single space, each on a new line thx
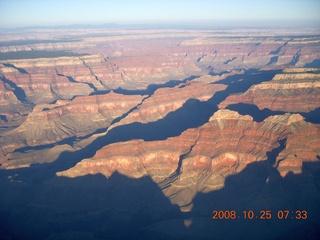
200 159
293 90
150 130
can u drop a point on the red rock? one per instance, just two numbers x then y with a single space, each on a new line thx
135 60
48 124
166 100
222 147
294 90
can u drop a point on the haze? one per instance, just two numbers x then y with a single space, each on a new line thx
18 13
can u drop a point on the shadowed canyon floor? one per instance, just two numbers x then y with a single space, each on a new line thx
142 134
119 207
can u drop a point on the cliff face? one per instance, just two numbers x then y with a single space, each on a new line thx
106 59
300 147
294 90
76 122
156 68
12 110
200 159
134 60
227 53
46 80
53 123
166 100
151 130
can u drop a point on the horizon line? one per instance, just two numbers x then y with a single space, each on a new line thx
218 23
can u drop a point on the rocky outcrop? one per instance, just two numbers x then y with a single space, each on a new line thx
296 90
44 80
52 123
12 110
166 100
74 121
251 52
117 122
302 145
200 159
109 59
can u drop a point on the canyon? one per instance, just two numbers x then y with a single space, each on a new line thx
151 130
294 90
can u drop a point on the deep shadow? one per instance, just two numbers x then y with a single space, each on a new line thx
153 87
149 91
92 206
3 118
277 51
230 60
35 204
69 141
314 64
18 92
20 70
252 110
252 189
192 114
312 116
295 58
273 60
124 208
272 155
260 115
71 79
240 83
195 111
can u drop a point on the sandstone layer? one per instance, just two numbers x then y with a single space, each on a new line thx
52 123
109 133
166 100
109 59
294 90
200 159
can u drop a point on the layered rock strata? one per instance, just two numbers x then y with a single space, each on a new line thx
220 54
52 123
200 159
74 121
116 58
166 100
65 122
294 90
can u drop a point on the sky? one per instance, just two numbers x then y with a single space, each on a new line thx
21 13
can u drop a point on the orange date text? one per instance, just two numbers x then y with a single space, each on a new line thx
261 215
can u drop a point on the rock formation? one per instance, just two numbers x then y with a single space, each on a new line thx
52 123
150 130
166 100
294 90
200 159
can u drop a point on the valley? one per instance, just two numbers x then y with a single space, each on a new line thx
150 130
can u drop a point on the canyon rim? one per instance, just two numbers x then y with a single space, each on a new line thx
142 133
